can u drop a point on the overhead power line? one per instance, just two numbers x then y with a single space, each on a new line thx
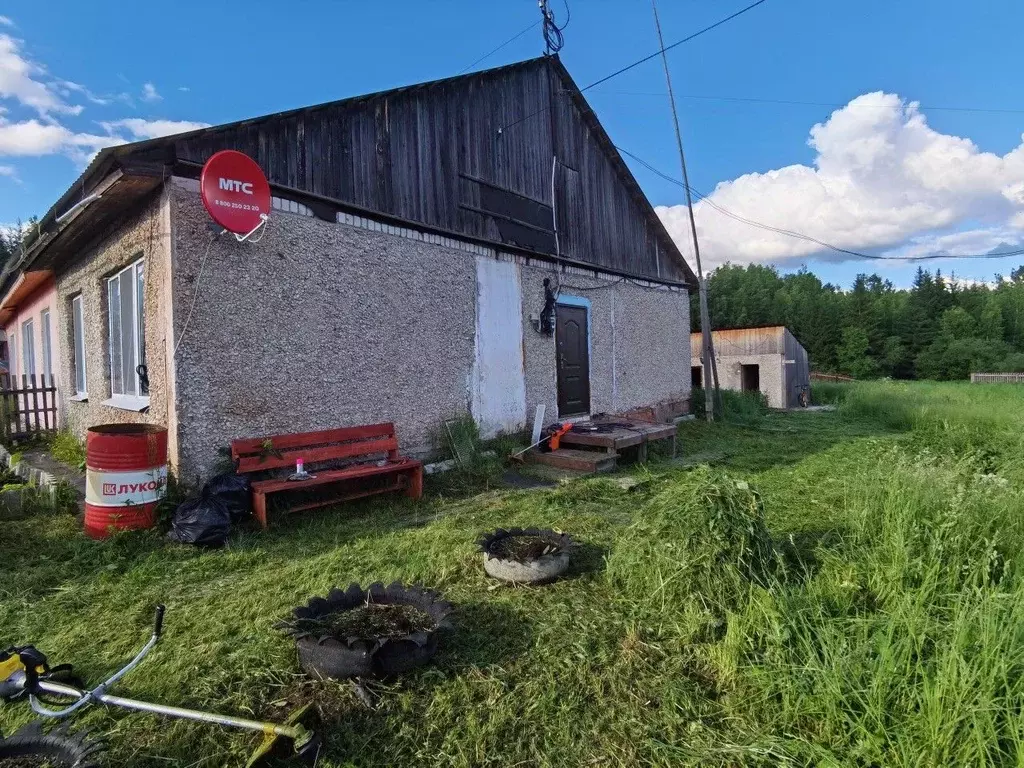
676 44
512 39
645 59
808 238
788 102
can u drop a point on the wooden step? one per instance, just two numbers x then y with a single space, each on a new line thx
576 460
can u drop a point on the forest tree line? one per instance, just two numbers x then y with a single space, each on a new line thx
936 329
10 243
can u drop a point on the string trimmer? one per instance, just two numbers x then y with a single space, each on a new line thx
24 671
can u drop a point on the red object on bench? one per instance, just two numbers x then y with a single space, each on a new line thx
282 451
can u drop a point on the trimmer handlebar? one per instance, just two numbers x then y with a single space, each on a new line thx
158 620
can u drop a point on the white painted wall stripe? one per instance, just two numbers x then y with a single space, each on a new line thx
499 376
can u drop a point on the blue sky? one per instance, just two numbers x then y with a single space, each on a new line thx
890 178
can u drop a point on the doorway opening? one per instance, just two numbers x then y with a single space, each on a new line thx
750 378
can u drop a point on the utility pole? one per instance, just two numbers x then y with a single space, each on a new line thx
710 368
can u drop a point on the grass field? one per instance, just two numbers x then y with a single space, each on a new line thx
828 589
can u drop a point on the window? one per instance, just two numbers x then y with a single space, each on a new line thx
44 321
14 358
28 348
78 332
127 340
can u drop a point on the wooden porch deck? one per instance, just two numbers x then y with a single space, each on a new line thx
596 445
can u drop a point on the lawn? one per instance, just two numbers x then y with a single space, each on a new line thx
833 589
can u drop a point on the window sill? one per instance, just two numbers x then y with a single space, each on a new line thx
82 397
128 402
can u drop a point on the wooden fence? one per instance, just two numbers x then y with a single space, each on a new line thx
997 378
28 410
835 378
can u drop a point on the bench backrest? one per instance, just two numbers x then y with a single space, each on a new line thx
279 451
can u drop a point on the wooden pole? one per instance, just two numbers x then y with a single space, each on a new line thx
710 372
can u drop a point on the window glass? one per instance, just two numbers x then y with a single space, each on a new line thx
45 330
125 292
28 347
78 330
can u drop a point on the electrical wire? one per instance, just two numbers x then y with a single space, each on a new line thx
645 59
676 44
195 295
553 38
802 236
830 105
507 42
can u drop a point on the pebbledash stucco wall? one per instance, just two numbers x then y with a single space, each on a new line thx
317 325
771 375
143 234
639 342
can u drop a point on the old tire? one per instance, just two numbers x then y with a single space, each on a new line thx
540 571
327 657
60 746
331 660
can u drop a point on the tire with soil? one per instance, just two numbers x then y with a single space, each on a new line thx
31 746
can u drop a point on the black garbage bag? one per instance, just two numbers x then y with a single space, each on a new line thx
205 522
234 491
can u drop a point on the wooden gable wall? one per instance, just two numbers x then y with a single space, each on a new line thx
452 155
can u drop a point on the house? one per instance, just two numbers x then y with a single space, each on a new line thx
417 240
28 318
768 360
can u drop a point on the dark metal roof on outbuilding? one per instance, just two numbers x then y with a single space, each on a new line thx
469 156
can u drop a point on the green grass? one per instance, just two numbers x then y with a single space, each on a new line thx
828 393
827 589
67 448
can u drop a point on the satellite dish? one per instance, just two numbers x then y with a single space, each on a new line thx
235 192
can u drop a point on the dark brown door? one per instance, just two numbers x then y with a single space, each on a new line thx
573 349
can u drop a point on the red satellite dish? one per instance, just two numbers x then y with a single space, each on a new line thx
235 191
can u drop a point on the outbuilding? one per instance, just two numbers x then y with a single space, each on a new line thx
768 360
471 245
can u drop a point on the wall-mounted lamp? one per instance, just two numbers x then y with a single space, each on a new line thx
545 323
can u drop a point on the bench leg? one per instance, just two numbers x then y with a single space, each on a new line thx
415 487
259 509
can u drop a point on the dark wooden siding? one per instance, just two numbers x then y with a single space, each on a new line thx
798 373
452 155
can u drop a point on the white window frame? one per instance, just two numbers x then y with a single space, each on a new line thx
28 347
78 342
132 401
46 342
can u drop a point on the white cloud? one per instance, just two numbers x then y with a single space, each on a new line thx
9 170
150 93
22 79
6 21
67 87
882 179
33 138
184 88
151 129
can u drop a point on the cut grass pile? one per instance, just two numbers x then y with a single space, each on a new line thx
369 622
838 589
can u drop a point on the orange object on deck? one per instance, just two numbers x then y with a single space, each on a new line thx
556 439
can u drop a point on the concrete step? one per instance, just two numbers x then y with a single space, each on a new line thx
576 460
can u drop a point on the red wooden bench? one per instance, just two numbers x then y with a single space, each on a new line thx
372 451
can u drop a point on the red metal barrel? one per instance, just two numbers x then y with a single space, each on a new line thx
125 476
